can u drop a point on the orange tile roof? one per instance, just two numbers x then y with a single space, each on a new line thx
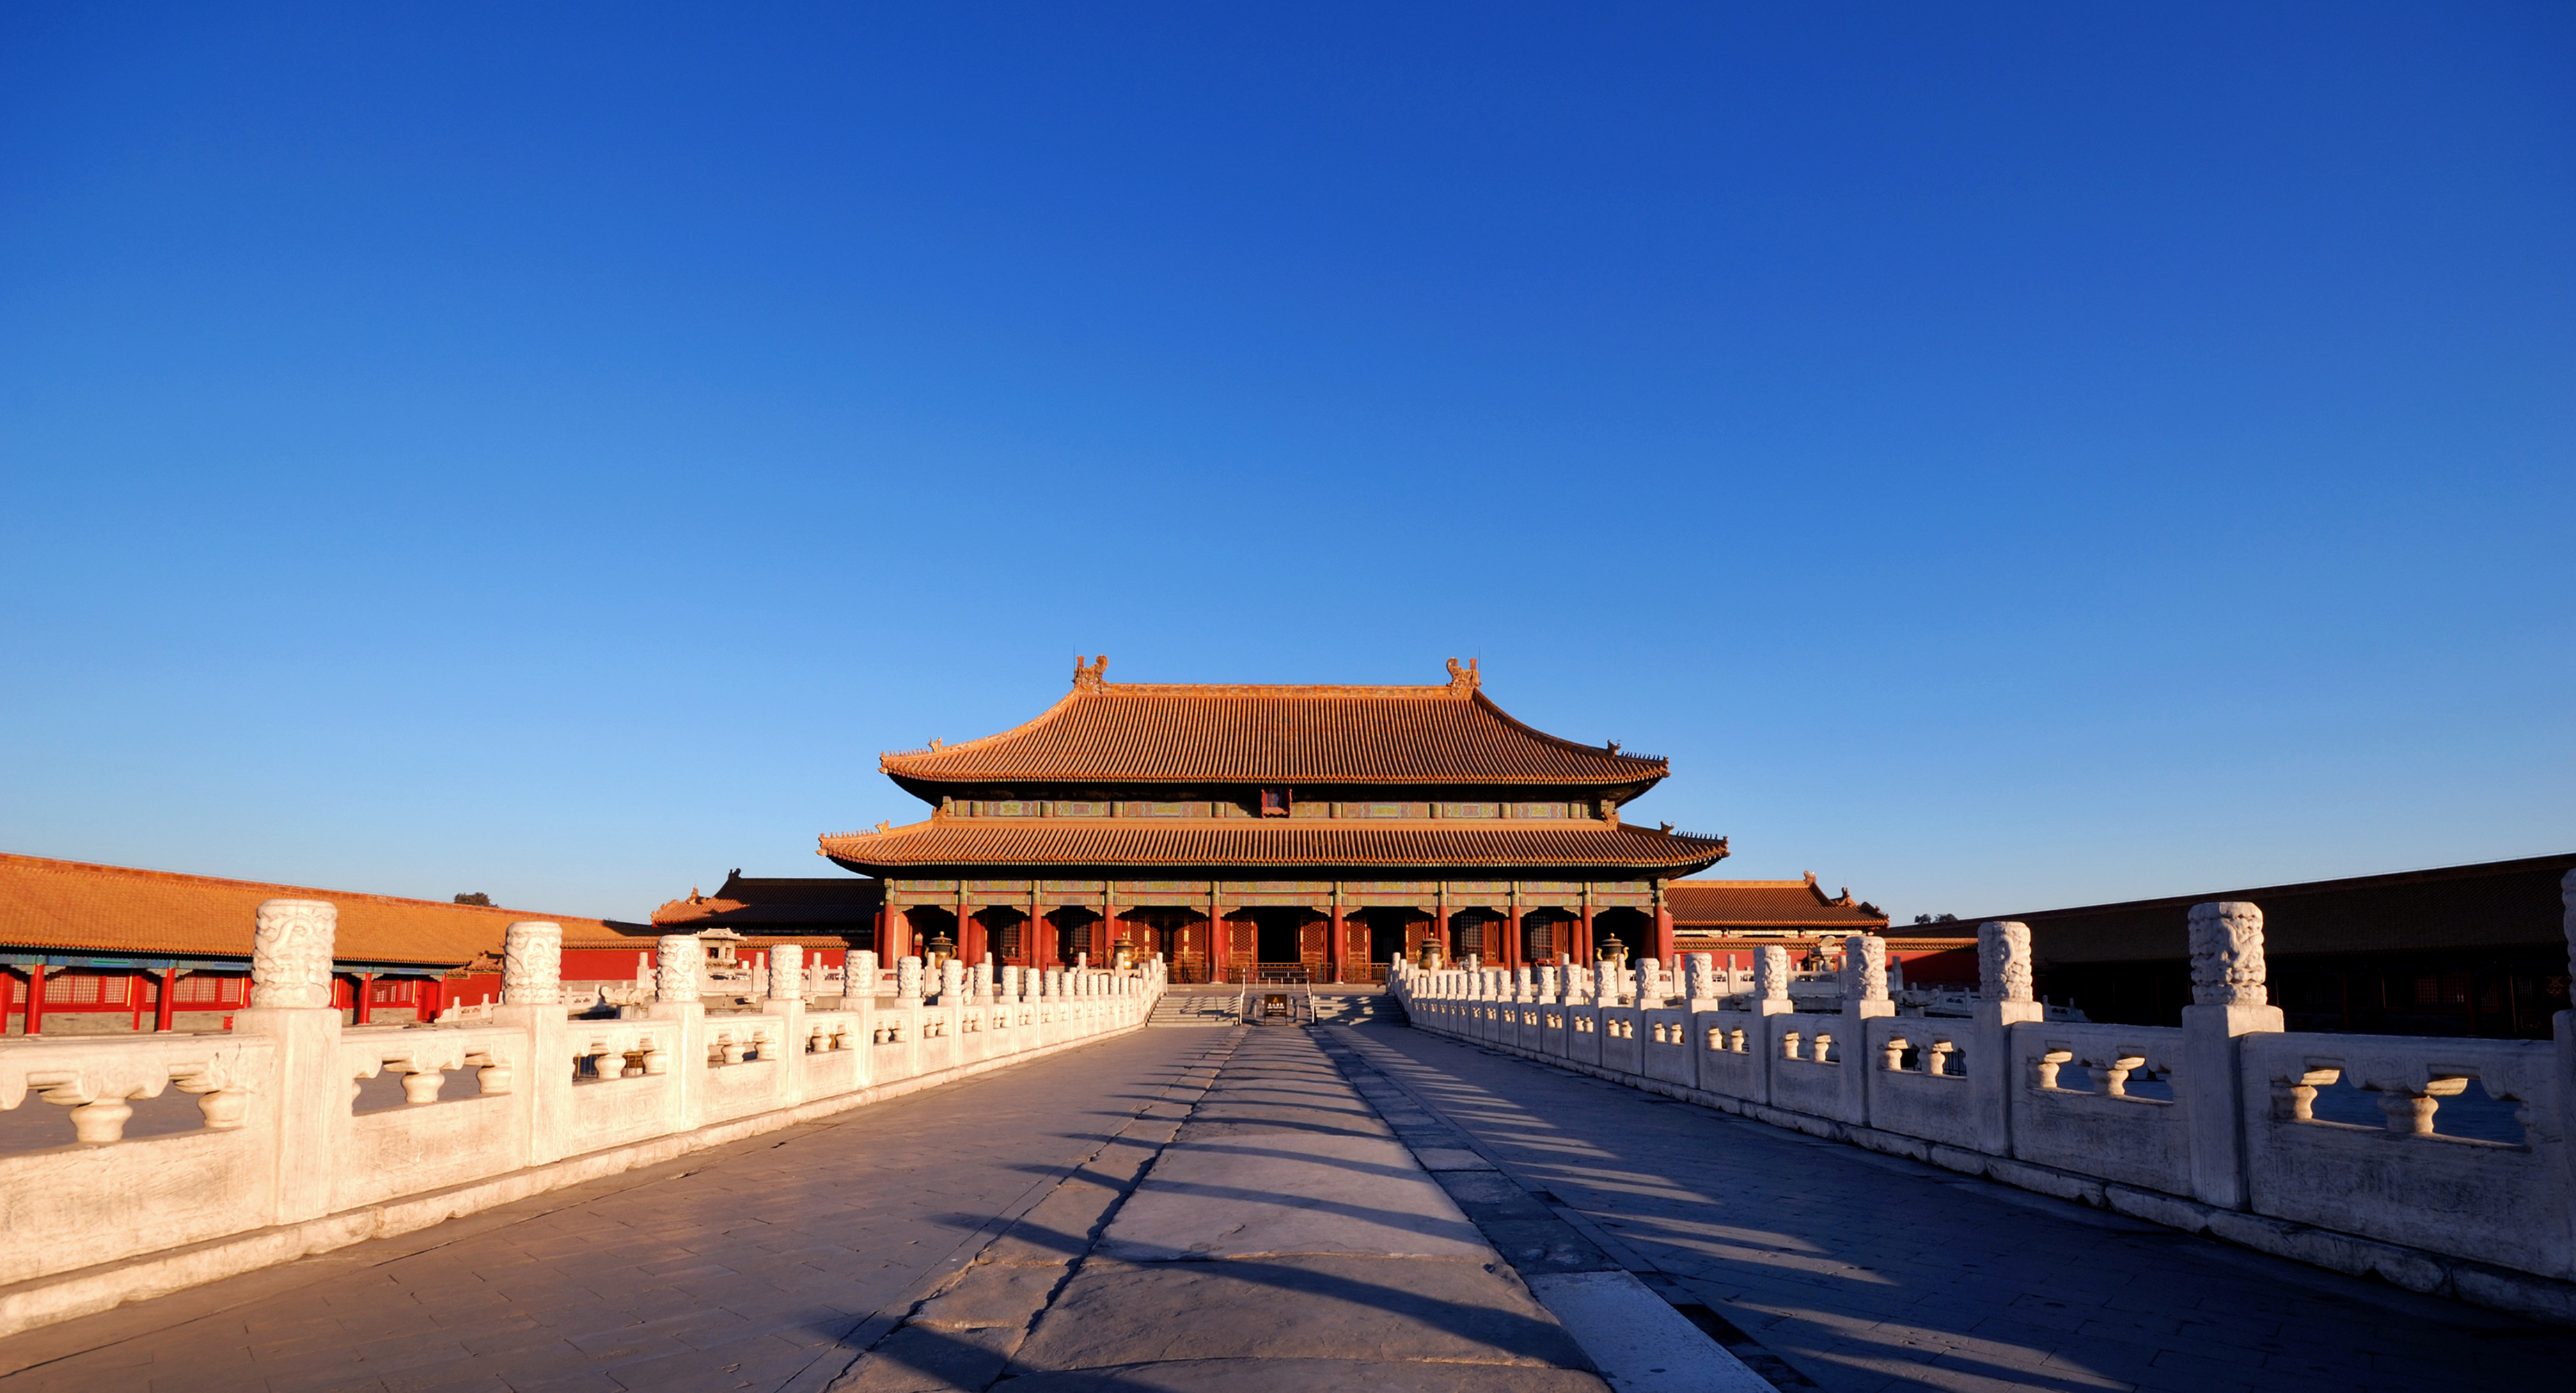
1281 735
75 906
1066 841
746 903
1699 905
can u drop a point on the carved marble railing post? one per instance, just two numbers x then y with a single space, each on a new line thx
1864 999
1699 981
2003 1001
532 964
532 1003
679 960
787 1002
290 1003
2228 1001
1650 984
2563 1027
1771 982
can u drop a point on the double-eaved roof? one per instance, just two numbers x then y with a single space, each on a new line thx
1103 734
961 842
1524 799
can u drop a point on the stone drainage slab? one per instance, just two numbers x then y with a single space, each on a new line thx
1282 1238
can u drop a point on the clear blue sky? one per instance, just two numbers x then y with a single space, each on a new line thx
2005 457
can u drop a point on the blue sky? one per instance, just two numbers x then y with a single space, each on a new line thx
2004 456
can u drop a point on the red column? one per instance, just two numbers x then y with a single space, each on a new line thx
1440 934
970 938
1336 945
169 992
366 993
36 999
1583 949
1664 936
1512 937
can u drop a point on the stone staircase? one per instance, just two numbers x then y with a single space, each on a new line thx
1207 1007
1333 1008
1202 1009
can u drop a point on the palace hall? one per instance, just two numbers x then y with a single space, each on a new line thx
1244 829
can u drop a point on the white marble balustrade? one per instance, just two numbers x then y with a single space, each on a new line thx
2211 1126
496 1109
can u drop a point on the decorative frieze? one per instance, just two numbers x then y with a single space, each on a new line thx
290 954
1864 968
677 959
2226 954
532 964
2003 960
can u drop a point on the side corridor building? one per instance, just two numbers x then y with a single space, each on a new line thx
1243 828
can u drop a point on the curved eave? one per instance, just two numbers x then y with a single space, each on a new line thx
1111 844
988 761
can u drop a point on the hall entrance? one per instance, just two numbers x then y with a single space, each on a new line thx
1278 938
1386 933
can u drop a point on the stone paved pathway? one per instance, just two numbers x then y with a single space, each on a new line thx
1280 1239
765 1265
1868 1272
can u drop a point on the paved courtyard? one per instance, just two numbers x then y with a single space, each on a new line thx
1283 1208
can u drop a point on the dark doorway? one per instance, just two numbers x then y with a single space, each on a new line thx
928 922
1386 934
1073 935
1542 936
1275 935
1631 927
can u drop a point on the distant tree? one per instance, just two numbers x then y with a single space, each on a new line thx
1928 919
1923 918
475 897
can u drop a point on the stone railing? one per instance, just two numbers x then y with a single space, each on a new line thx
529 1100
2216 1126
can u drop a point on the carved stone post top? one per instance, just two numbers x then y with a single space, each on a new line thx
676 960
291 949
2567 899
2003 960
1771 973
2227 954
1864 968
787 972
532 963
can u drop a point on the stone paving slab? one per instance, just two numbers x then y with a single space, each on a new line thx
1250 1195
1865 1272
1391 1310
1283 1238
1308 1376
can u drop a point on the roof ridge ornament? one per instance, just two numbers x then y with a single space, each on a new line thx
1092 676
1463 680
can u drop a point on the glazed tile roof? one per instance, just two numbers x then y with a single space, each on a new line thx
1022 841
77 907
749 904
1701 905
1105 732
